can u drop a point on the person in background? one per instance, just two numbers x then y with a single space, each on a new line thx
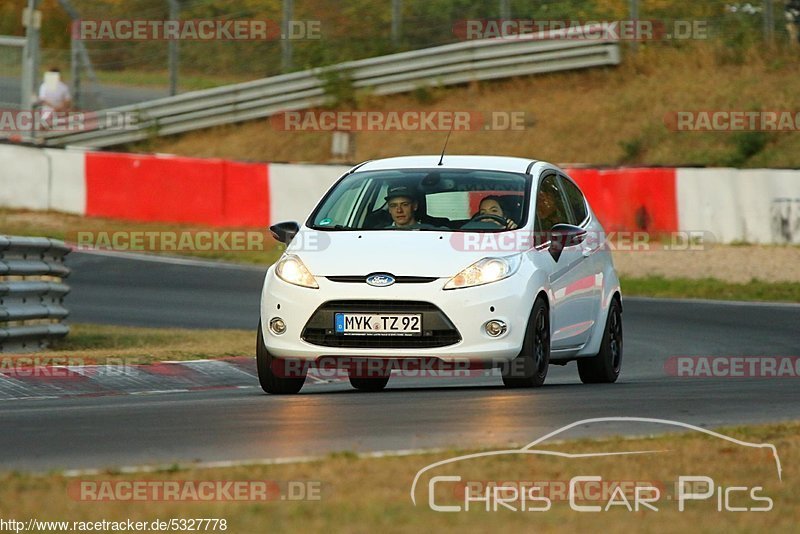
792 13
54 94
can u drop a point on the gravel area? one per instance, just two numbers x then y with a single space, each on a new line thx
727 263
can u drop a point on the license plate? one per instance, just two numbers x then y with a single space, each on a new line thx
379 324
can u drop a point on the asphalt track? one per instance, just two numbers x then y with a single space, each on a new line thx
244 424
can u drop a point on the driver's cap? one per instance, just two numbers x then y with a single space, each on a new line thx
400 191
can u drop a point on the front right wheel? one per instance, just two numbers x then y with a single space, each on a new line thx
604 368
267 365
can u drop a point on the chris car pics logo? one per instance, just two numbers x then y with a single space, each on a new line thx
447 486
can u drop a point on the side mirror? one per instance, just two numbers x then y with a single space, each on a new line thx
285 231
563 236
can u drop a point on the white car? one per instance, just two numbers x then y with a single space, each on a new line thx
448 260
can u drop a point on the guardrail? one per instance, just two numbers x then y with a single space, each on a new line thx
452 64
32 292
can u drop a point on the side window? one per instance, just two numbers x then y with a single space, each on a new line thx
550 207
576 201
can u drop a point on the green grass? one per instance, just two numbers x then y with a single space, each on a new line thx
711 288
97 344
68 227
160 79
363 495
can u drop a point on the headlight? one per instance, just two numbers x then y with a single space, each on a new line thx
485 271
291 269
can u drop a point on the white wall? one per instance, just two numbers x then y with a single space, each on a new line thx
24 177
67 180
42 179
294 190
756 206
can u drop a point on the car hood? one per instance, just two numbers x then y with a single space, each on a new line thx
397 252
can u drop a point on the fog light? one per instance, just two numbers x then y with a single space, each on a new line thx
495 328
277 326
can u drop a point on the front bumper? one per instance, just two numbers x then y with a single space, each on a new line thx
468 310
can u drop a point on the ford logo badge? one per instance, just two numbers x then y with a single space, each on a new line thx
380 280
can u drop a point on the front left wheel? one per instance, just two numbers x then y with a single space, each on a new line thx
270 377
529 369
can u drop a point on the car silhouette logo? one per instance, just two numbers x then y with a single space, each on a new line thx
380 280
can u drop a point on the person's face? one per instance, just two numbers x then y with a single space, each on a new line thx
490 207
546 204
402 211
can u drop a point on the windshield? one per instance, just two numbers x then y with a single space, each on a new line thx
425 199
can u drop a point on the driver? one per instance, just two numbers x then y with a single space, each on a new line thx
491 205
402 206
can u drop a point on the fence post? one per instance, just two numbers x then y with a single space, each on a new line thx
174 14
505 10
286 42
634 15
769 21
397 20
30 56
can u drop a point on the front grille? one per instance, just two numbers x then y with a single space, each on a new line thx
437 330
397 279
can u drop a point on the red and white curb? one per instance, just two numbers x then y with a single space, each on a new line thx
49 382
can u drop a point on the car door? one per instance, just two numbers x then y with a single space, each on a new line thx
570 277
587 290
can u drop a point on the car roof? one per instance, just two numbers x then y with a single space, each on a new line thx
494 163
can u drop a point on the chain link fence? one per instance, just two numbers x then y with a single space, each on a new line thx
11 49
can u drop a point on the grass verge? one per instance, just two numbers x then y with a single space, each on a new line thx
99 344
711 288
628 129
260 247
368 495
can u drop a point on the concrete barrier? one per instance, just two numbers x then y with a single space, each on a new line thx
757 206
753 206
296 189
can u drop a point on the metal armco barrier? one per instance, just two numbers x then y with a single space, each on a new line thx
452 64
31 292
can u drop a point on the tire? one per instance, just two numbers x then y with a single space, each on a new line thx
369 384
604 368
266 363
529 369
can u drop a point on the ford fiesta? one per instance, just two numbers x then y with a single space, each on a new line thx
459 260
